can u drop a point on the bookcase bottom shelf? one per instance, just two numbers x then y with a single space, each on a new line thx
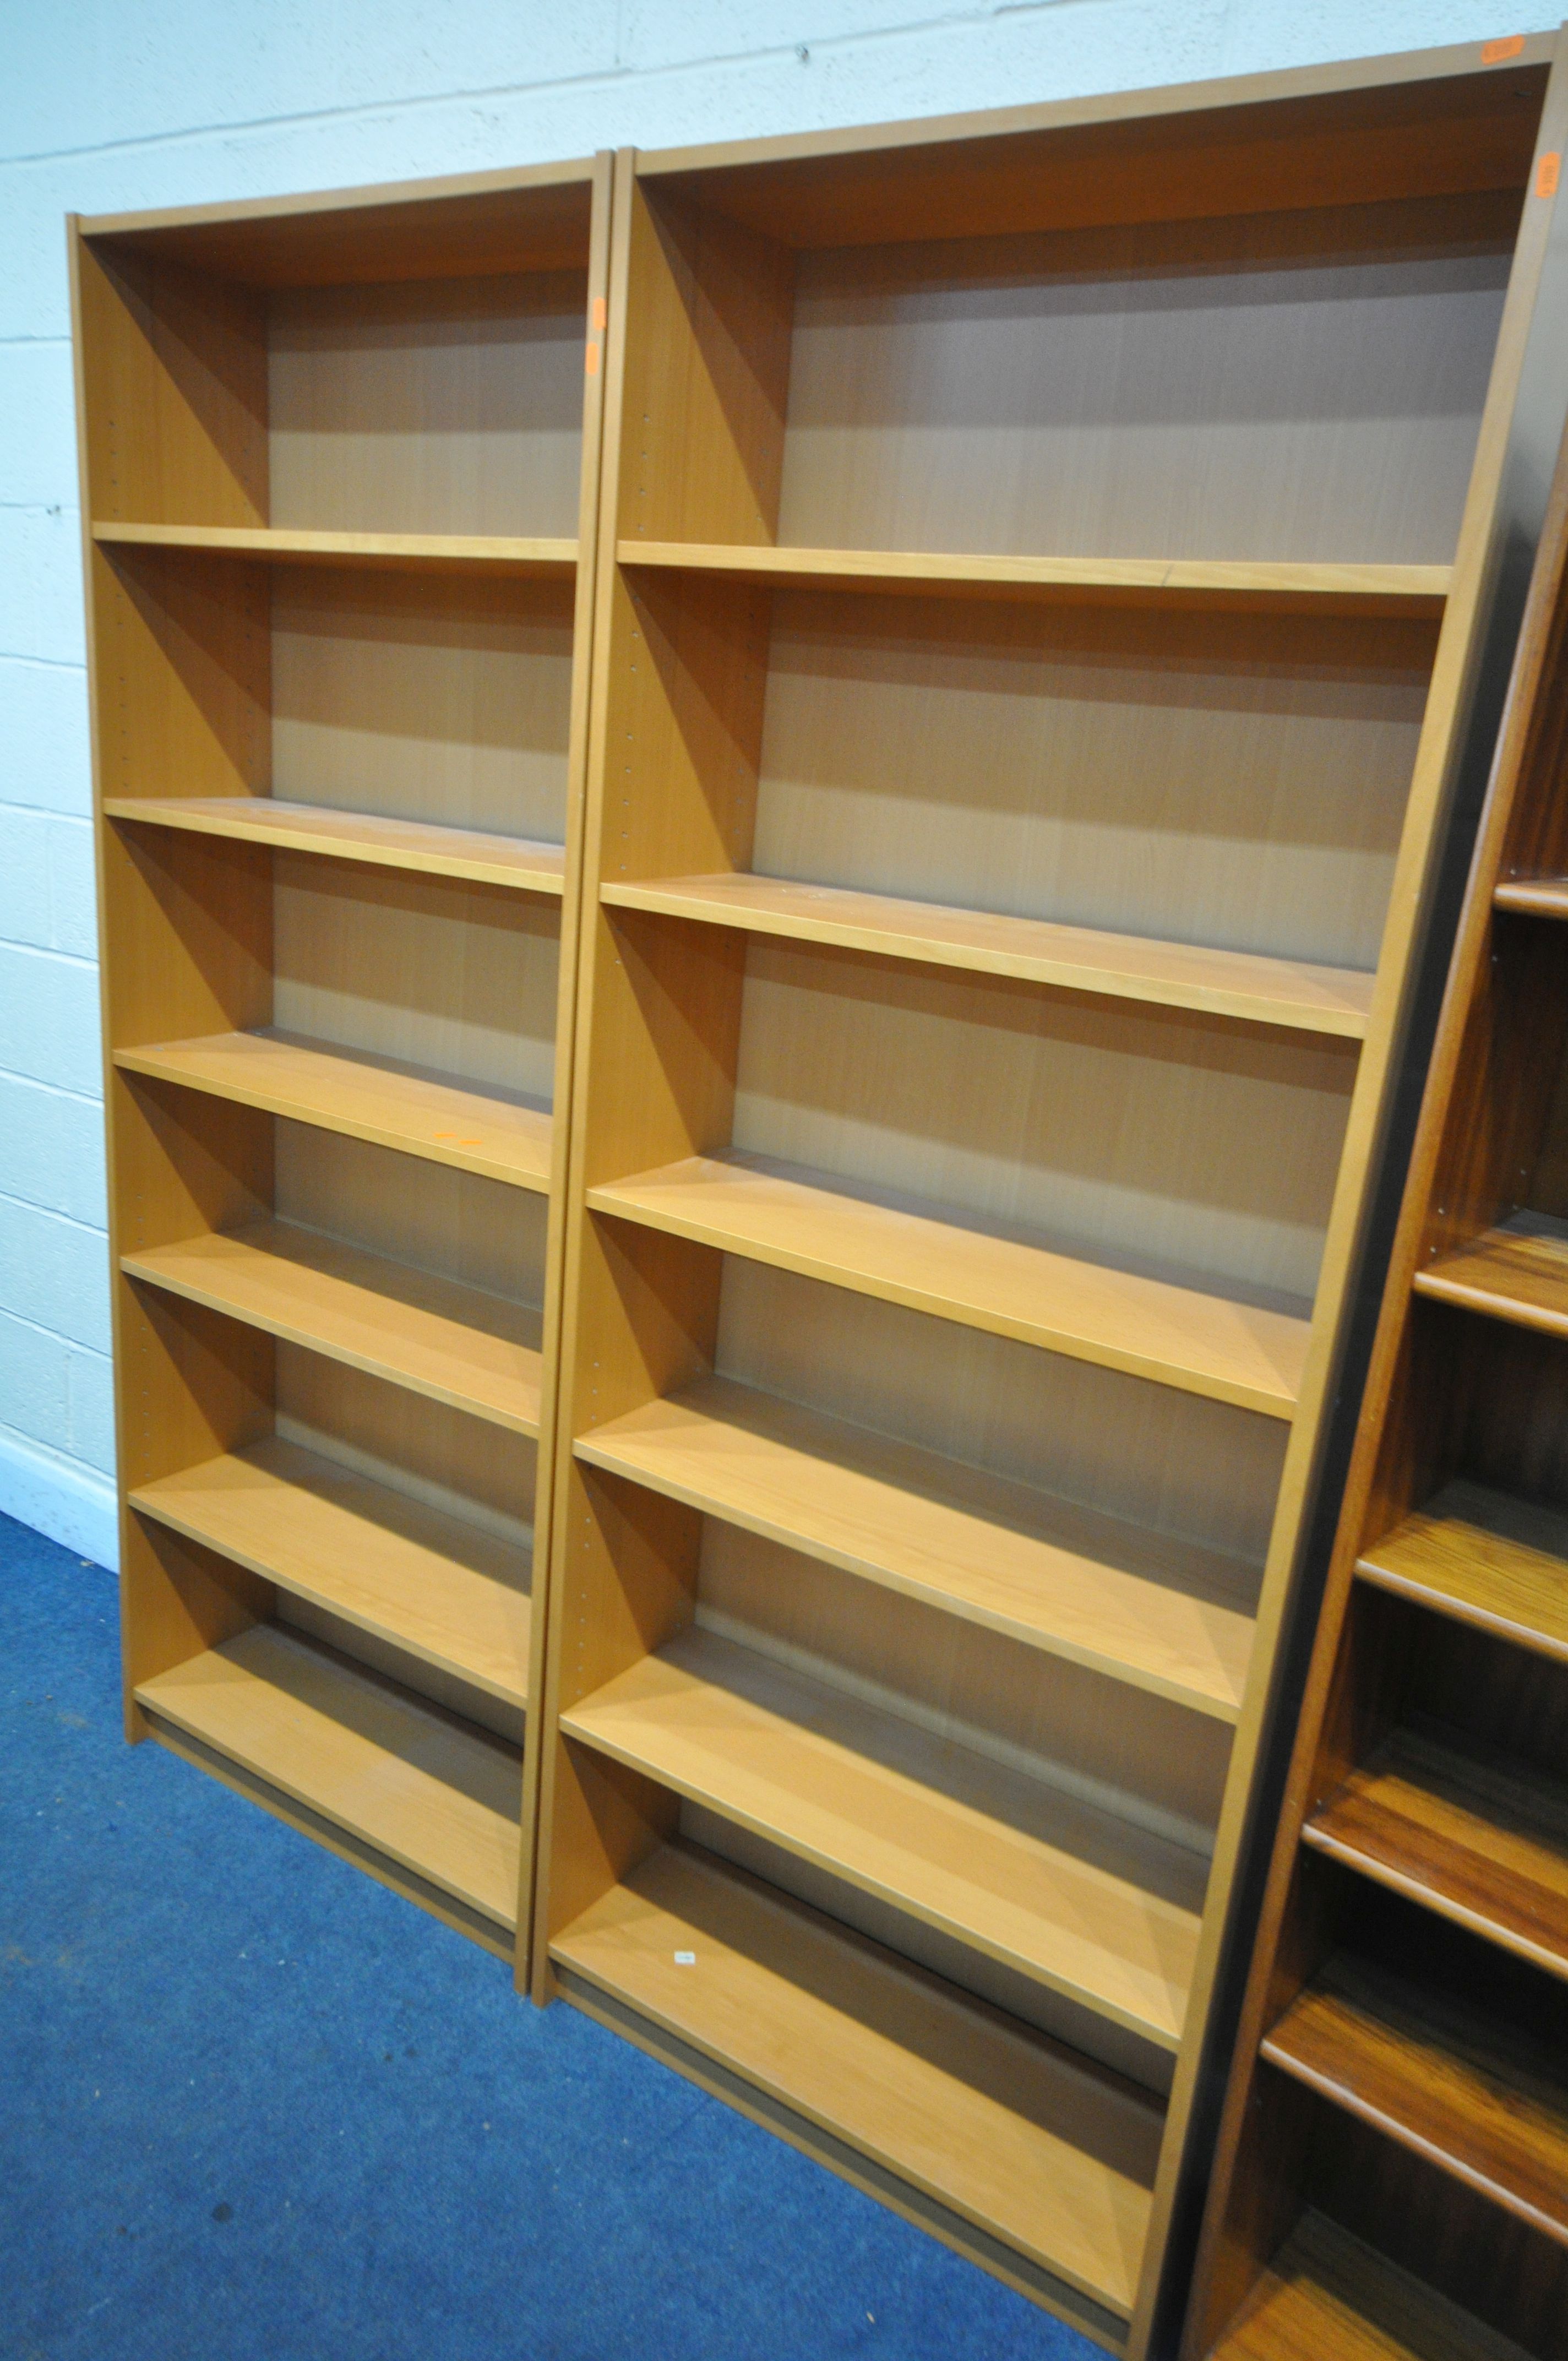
1048 2158
1327 2294
433 1797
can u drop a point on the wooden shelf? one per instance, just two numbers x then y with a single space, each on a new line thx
1092 1907
363 1097
1485 1559
1032 2145
1075 958
1441 2081
1203 1344
1535 897
1473 1840
1518 1273
487 860
441 1589
438 1797
1245 582
1137 1606
453 1343
1327 2297
427 553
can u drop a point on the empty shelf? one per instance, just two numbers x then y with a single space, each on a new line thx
1077 959
1160 1613
1440 2079
1478 1842
1485 1559
1517 1272
366 1098
453 1343
434 1585
443 1800
430 552
1036 2146
484 859
1204 1344
1537 898
1247 582
1089 1905
1326 2297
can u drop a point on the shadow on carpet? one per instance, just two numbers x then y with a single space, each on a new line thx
255 2107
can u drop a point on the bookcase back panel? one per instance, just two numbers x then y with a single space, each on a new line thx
1234 780
1160 1140
424 698
429 406
1246 388
479 1232
442 1688
456 977
1162 1459
411 1445
1082 2029
1151 1762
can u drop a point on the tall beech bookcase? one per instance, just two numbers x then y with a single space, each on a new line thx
1393 2159
340 459
1046 567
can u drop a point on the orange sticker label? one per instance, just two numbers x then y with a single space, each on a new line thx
601 312
591 362
1494 53
1546 175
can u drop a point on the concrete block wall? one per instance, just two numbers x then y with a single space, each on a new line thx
105 106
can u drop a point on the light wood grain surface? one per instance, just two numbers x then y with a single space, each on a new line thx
356 836
1014 2133
1231 1352
1128 1603
1416 588
428 1582
475 1351
438 1798
1175 975
313 1082
1093 1908
300 545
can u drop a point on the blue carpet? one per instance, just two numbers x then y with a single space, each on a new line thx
253 2107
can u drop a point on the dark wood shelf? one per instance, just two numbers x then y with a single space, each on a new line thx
1327 2297
1482 1558
1439 2077
1517 1272
1480 1841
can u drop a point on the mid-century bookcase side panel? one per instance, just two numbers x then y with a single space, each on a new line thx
1399 1453
584 618
178 691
